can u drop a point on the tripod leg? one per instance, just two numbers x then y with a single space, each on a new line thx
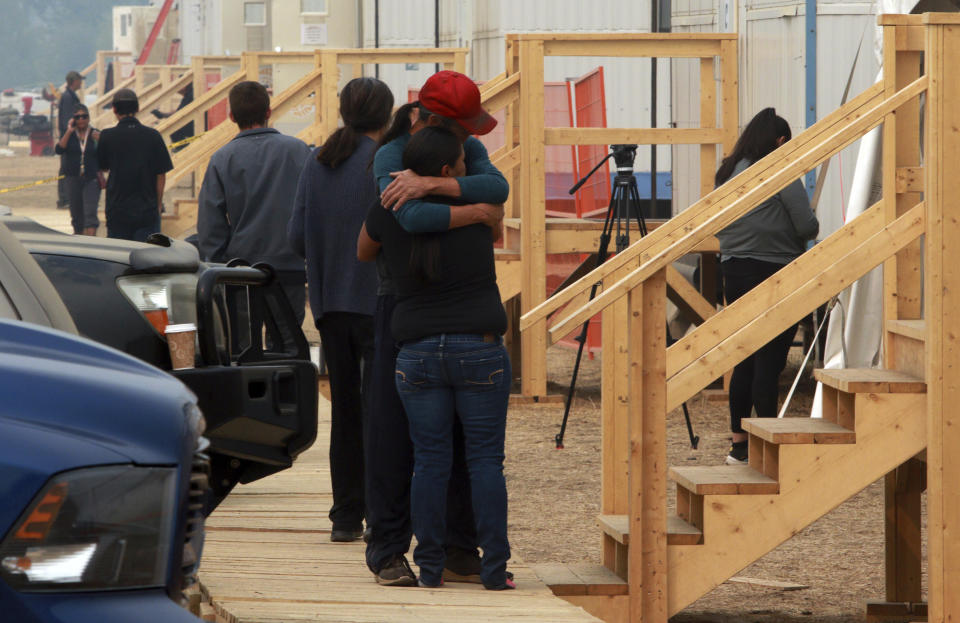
602 249
582 339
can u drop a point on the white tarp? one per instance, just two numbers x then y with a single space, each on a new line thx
858 319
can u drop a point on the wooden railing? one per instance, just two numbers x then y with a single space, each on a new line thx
917 201
717 54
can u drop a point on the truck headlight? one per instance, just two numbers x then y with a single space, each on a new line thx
162 299
94 529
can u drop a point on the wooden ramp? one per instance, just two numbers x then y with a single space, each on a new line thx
268 559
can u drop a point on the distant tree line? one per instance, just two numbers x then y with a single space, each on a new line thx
41 40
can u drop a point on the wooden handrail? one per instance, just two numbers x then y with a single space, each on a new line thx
788 167
502 94
196 154
689 217
201 104
173 87
296 92
104 99
778 303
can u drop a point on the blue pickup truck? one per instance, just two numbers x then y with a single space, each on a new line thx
103 469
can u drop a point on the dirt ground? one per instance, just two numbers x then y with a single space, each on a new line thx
554 494
554 501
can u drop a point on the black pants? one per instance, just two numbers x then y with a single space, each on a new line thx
348 350
754 383
389 462
294 284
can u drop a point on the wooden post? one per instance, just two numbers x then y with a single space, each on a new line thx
615 414
942 312
329 101
708 119
460 61
648 451
902 504
901 299
199 78
102 73
318 93
729 93
250 65
138 79
533 215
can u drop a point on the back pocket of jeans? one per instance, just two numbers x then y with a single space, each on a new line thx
410 374
482 373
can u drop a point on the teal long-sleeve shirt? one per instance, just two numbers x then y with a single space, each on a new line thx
483 183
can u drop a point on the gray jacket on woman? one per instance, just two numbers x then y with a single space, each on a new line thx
775 231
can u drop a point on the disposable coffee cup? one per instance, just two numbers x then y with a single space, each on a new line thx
181 339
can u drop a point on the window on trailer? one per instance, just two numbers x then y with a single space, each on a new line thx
254 14
313 7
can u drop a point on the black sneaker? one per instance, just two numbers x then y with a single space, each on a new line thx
423 584
464 566
345 536
738 453
397 572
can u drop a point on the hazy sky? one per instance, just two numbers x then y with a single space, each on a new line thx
41 40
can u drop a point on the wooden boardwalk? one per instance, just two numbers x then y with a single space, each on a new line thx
268 559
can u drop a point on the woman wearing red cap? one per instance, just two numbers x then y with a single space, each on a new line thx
389 450
452 366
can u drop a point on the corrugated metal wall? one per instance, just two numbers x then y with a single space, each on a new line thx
772 73
482 24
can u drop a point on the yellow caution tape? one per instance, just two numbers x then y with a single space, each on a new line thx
31 184
185 141
60 177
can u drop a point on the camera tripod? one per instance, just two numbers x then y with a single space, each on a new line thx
624 205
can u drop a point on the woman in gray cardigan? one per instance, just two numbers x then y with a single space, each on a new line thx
752 249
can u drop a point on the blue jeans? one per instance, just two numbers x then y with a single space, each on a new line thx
439 378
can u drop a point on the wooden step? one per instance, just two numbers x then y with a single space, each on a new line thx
870 381
506 255
580 579
724 480
679 532
798 430
915 329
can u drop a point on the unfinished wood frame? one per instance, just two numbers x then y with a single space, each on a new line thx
319 82
717 53
942 311
903 52
917 202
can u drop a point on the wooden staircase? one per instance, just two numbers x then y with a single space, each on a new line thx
728 516
876 423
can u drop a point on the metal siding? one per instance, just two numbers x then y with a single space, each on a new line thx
772 74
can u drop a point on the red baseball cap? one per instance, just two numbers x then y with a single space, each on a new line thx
453 95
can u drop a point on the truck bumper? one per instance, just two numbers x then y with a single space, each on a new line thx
143 606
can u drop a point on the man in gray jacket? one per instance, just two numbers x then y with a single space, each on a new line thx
248 191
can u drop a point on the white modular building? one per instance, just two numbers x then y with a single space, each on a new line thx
773 71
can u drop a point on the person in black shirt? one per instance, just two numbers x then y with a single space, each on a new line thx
67 106
78 146
138 161
449 321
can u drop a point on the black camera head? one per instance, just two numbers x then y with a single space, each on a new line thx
624 155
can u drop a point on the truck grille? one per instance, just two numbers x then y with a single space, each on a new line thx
194 521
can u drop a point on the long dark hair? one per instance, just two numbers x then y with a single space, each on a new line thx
401 123
365 105
759 138
428 151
